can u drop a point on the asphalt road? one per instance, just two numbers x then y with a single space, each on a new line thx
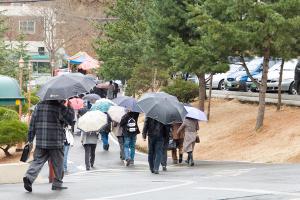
207 180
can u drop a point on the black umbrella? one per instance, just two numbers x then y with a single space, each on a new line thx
162 107
91 97
66 86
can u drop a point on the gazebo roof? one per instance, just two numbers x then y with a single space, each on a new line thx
9 90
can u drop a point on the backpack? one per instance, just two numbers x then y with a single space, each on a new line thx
131 125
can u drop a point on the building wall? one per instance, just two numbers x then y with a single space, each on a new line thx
14 31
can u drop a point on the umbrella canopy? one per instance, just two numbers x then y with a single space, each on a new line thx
102 105
66 86
92 121
129 103
159 95
102 85
89 64
77 103
195 113
163 108
116 113
91 97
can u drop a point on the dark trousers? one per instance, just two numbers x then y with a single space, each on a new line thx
165 153
121 144
155 149
89 155
41 156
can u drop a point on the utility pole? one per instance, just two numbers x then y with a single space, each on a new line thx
29 91
21 65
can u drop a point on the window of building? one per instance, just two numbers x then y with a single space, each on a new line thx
27 27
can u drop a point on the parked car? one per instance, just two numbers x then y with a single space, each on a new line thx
287 84
219 79
239 80
297 78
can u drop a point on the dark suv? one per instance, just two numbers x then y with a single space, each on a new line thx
297 77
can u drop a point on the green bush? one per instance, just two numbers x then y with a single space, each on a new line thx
11 133
185 91
8 114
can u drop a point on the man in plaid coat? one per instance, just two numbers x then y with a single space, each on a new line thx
47 125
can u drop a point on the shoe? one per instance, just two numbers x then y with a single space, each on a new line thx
175 161
156 172
180 158
127 162
186 161
164 168
27 184
107 147
152 171
88 169
59 187
192 164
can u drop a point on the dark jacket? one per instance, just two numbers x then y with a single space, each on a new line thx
154 128
47 124
124 122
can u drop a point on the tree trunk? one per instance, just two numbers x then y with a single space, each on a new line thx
209 97
202 91
263 90
279 85
5 150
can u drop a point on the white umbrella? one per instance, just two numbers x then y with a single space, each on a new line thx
116 113
195 113
92 121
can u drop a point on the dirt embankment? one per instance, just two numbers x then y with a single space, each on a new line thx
230 135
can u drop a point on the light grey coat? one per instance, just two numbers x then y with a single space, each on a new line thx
117 129
190 127
89 137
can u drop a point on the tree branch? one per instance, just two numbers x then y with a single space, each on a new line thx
248 72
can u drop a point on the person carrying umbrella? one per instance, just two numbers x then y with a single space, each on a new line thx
110 90
178 138
130 130
157 133
47 125
190 127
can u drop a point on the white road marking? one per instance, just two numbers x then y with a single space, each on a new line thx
236 172
257 191
184 183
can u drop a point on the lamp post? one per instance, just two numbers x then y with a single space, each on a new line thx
29 90
21 65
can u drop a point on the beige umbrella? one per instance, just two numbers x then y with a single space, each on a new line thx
116 113
92 121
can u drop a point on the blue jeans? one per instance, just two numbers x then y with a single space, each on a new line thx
66 152
104 138
129 147
155 151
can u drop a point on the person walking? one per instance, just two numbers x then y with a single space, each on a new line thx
178 138
47 126
156 132
110 90
104 132
116 90
89 141
190 127
69 141
130 130
118 132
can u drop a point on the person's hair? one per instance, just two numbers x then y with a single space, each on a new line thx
110 82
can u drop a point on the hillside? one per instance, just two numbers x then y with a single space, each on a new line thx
230 134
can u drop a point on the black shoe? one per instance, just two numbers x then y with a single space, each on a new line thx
180 158
164 168
27 184
156 172
107 147
88 169
59 187
192 164
152 171
127 162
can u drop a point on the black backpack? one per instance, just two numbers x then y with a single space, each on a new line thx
131 125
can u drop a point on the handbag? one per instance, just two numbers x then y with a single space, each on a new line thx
171 145
197 139
25 153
